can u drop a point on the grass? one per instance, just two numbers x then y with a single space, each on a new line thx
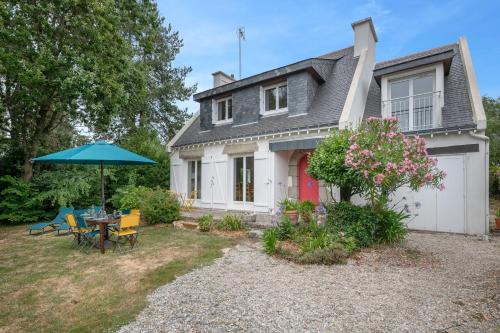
47 286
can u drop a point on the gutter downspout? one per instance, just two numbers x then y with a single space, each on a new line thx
486 169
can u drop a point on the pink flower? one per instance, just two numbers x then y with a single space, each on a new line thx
441 187
365 173
354 146
390 166
391 134
429 177
378 179
367 152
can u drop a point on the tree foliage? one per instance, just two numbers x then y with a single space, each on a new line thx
327 163
106 65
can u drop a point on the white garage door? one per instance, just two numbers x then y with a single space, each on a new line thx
436 210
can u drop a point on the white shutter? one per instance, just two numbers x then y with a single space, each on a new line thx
175 173
262 181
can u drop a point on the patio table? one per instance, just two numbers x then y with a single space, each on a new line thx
103 223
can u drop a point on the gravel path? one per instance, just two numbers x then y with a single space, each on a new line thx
434 283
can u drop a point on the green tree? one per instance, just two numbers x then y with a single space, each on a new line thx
104 64
327 163
492 109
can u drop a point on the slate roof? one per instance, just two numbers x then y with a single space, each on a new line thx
457 111
329 99
324 110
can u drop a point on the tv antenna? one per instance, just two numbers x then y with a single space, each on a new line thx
241 36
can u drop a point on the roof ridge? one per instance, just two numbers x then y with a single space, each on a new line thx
423 53
340 52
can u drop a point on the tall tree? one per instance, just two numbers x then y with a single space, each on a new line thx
98 63
155 46
492 109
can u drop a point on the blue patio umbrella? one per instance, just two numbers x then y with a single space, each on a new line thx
98 153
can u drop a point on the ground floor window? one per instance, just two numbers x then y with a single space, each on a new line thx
243 179
194 178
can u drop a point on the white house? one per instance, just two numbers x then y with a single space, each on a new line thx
246 148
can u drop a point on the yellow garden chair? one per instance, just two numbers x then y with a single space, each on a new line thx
187 204
127 231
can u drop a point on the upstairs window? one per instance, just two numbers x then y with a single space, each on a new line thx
412 101
275 98
223 110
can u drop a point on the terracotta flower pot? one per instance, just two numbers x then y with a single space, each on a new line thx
292 215
497 222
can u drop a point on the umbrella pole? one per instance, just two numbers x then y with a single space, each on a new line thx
102 186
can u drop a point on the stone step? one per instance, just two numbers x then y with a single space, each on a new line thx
217 214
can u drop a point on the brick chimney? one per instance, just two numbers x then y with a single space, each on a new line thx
221 78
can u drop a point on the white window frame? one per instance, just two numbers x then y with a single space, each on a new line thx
437 71
278 110
215 111
244 202
189 190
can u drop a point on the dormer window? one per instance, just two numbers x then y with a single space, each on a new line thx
414 98
274 99
223 111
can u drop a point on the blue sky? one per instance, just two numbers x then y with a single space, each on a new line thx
282 32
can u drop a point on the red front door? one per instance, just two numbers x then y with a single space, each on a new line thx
308 186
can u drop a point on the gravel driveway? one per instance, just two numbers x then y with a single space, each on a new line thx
433 283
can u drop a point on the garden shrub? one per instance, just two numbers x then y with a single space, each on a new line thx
231 223
270 239
365 225
205 222
333 254
18 201
159 206
129 197
284 229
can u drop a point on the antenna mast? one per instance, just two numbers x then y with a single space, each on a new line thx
241 36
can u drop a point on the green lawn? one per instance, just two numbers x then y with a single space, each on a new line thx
45 285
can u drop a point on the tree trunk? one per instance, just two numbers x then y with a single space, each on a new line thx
345 194
27 169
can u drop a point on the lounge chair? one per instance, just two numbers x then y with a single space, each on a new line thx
55 223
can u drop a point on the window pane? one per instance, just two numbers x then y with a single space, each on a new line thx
221 110
198 180
230 108
422 85
422 111
282 95
249 180
270 99
191 176
238 179
400 89
400 110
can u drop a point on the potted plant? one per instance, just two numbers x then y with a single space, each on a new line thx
289 209
497 219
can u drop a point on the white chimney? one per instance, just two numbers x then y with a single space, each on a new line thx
365 36
221 78
364 48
